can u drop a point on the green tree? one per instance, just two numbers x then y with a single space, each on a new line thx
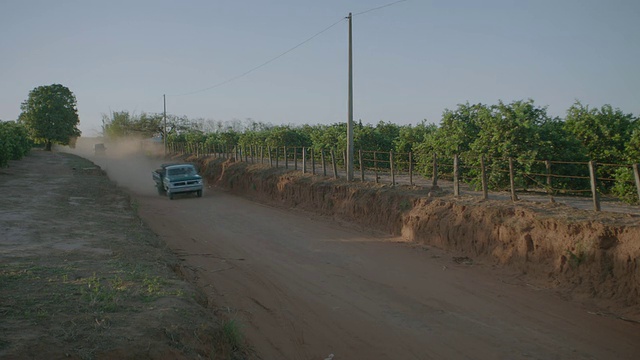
604 132
458 129
410 136
286 136
632 149
625 187
329 137
50 115
124 124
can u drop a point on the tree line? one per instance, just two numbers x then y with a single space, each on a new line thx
520 130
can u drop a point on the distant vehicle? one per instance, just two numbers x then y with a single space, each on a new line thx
178 178
99 149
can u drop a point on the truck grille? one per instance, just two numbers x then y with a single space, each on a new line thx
185 183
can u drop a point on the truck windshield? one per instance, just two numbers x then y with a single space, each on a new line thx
182 171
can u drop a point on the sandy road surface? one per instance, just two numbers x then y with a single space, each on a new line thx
306 288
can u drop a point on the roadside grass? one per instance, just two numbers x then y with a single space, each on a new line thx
231 335
38 291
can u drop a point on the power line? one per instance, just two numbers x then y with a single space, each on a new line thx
286 52
264 63
379 7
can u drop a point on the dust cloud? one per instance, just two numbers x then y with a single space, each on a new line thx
128 162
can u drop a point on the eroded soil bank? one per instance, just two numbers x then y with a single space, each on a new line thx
584 255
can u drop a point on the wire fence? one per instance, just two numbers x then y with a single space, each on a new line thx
506 177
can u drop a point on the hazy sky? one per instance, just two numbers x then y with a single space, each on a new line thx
411 60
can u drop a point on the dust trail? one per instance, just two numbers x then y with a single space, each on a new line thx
128 162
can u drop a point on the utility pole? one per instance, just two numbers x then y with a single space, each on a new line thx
350 116
164 132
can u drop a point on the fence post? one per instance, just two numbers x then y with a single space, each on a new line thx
313 161
512 182
333 161
324 163
485 189
456 180
434 184
286 159
295 158
594 183
547 164
410 169
361 167
636 174
375 166
393 175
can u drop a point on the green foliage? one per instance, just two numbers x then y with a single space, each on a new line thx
329 136
50 115
604 132
232 334
286 135
609 136
624 187
520 130
632 150
458 130
123 124
14 142
511 130
410 137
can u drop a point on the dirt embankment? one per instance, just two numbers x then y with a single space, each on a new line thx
584 255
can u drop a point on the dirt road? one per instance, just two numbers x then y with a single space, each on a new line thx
306 287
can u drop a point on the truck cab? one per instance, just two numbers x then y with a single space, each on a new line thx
173 179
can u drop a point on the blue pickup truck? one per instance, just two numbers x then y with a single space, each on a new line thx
178 178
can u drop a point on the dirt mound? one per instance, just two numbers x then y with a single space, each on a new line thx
582 254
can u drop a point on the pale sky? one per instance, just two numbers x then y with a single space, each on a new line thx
411 60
